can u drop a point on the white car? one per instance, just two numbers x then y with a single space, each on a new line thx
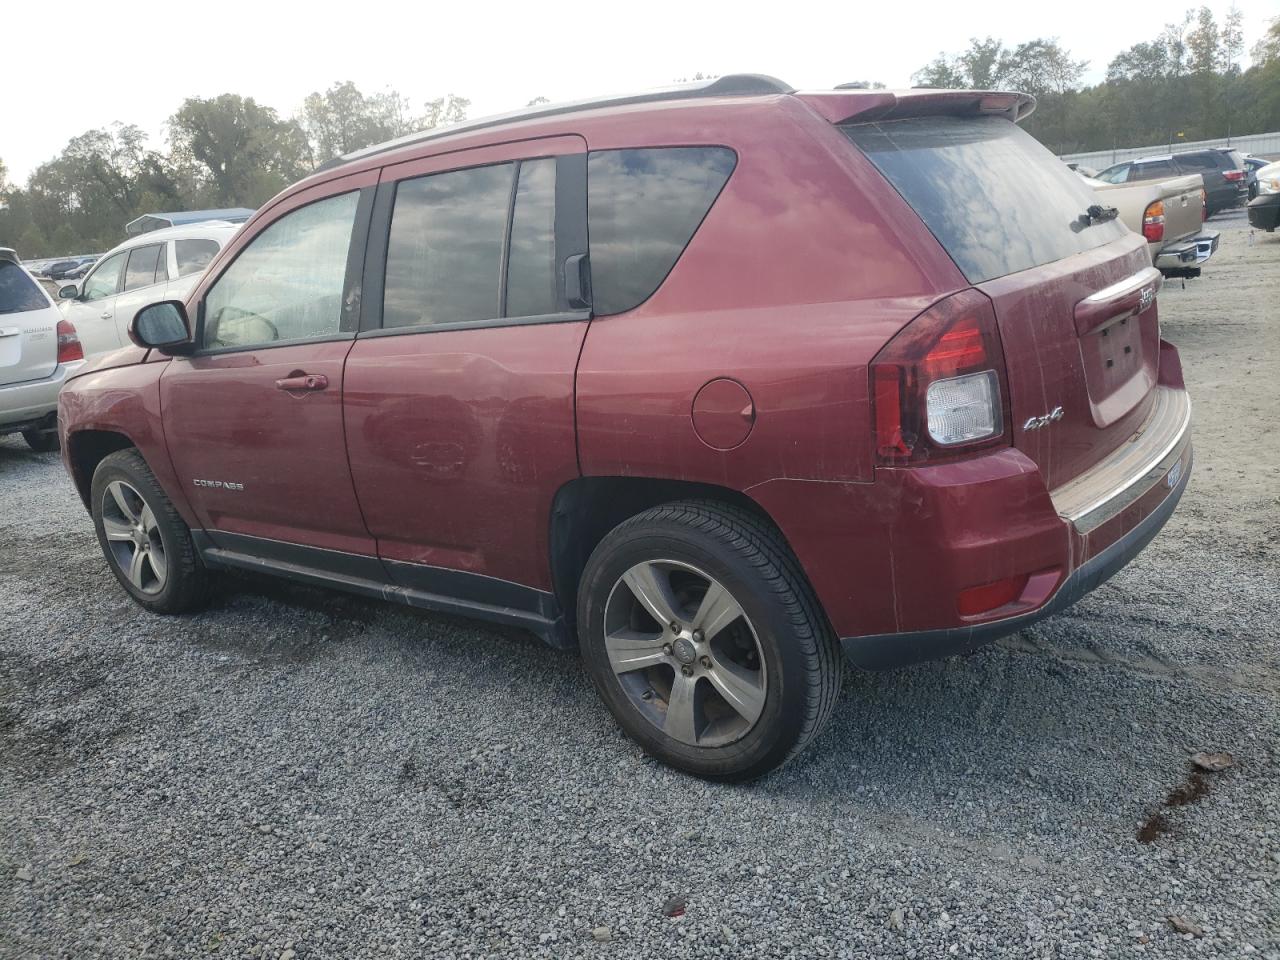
159 265
38 351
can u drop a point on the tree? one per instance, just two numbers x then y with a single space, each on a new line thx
444 110
942 73
1267 50
537 102
1041 67
343 119
235 152
32 243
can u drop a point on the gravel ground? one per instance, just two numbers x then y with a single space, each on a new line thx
299 774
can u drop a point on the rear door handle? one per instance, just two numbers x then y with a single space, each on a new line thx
303 381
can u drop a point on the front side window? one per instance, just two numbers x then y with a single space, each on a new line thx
144 264
194 255
105 279
18 292
444 254
643 206
1114 174
287 284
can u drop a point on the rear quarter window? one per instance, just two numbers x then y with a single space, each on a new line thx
993 196
18 292
643 208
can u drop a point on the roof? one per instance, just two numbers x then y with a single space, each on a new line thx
732 85
216 229
842 103
157 221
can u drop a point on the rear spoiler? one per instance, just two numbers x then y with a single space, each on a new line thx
867 106
8 253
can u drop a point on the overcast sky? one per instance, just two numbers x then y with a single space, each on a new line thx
97 63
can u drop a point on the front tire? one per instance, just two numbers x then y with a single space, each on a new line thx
705 641
146 543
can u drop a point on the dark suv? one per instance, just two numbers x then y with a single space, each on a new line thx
1225 177
717 384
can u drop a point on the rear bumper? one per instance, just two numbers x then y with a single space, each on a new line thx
1190 252
1264 212
34 403
900 649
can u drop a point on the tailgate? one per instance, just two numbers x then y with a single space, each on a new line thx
1081 340
1182 207
28 327
1073 290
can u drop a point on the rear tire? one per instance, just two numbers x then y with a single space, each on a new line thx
146 543
41 441
730 702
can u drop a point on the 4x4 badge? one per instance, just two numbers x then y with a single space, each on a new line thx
1035 423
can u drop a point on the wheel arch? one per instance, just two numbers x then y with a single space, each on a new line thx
88 448
585 509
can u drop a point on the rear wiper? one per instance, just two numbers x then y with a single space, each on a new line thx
1097 214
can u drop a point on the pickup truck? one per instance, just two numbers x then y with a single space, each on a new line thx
1170 215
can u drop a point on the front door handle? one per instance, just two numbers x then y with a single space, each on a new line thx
303 381
107 315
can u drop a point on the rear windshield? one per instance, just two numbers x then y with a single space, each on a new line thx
18 292
997 200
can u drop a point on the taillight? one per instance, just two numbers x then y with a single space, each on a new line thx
68 343
1204 205
1153 222
938 387
1235 176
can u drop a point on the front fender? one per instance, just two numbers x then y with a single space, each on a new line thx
118 401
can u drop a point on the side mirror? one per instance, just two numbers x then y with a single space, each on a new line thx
162 326
69 292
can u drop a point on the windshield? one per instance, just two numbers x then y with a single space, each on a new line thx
995 198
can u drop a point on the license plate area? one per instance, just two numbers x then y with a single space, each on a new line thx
1120 364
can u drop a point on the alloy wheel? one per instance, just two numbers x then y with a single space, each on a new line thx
685 653
133 537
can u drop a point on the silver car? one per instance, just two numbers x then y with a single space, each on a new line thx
38 351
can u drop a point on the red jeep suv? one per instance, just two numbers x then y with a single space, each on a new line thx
720 384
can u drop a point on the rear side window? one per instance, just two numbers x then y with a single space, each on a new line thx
449 234
1198 162
18 292
194 255
444 255
143 265
994 197
643 207
531 264
1154 170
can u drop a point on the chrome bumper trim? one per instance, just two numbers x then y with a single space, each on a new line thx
1130 471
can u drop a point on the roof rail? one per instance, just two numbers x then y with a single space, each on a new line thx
730 85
